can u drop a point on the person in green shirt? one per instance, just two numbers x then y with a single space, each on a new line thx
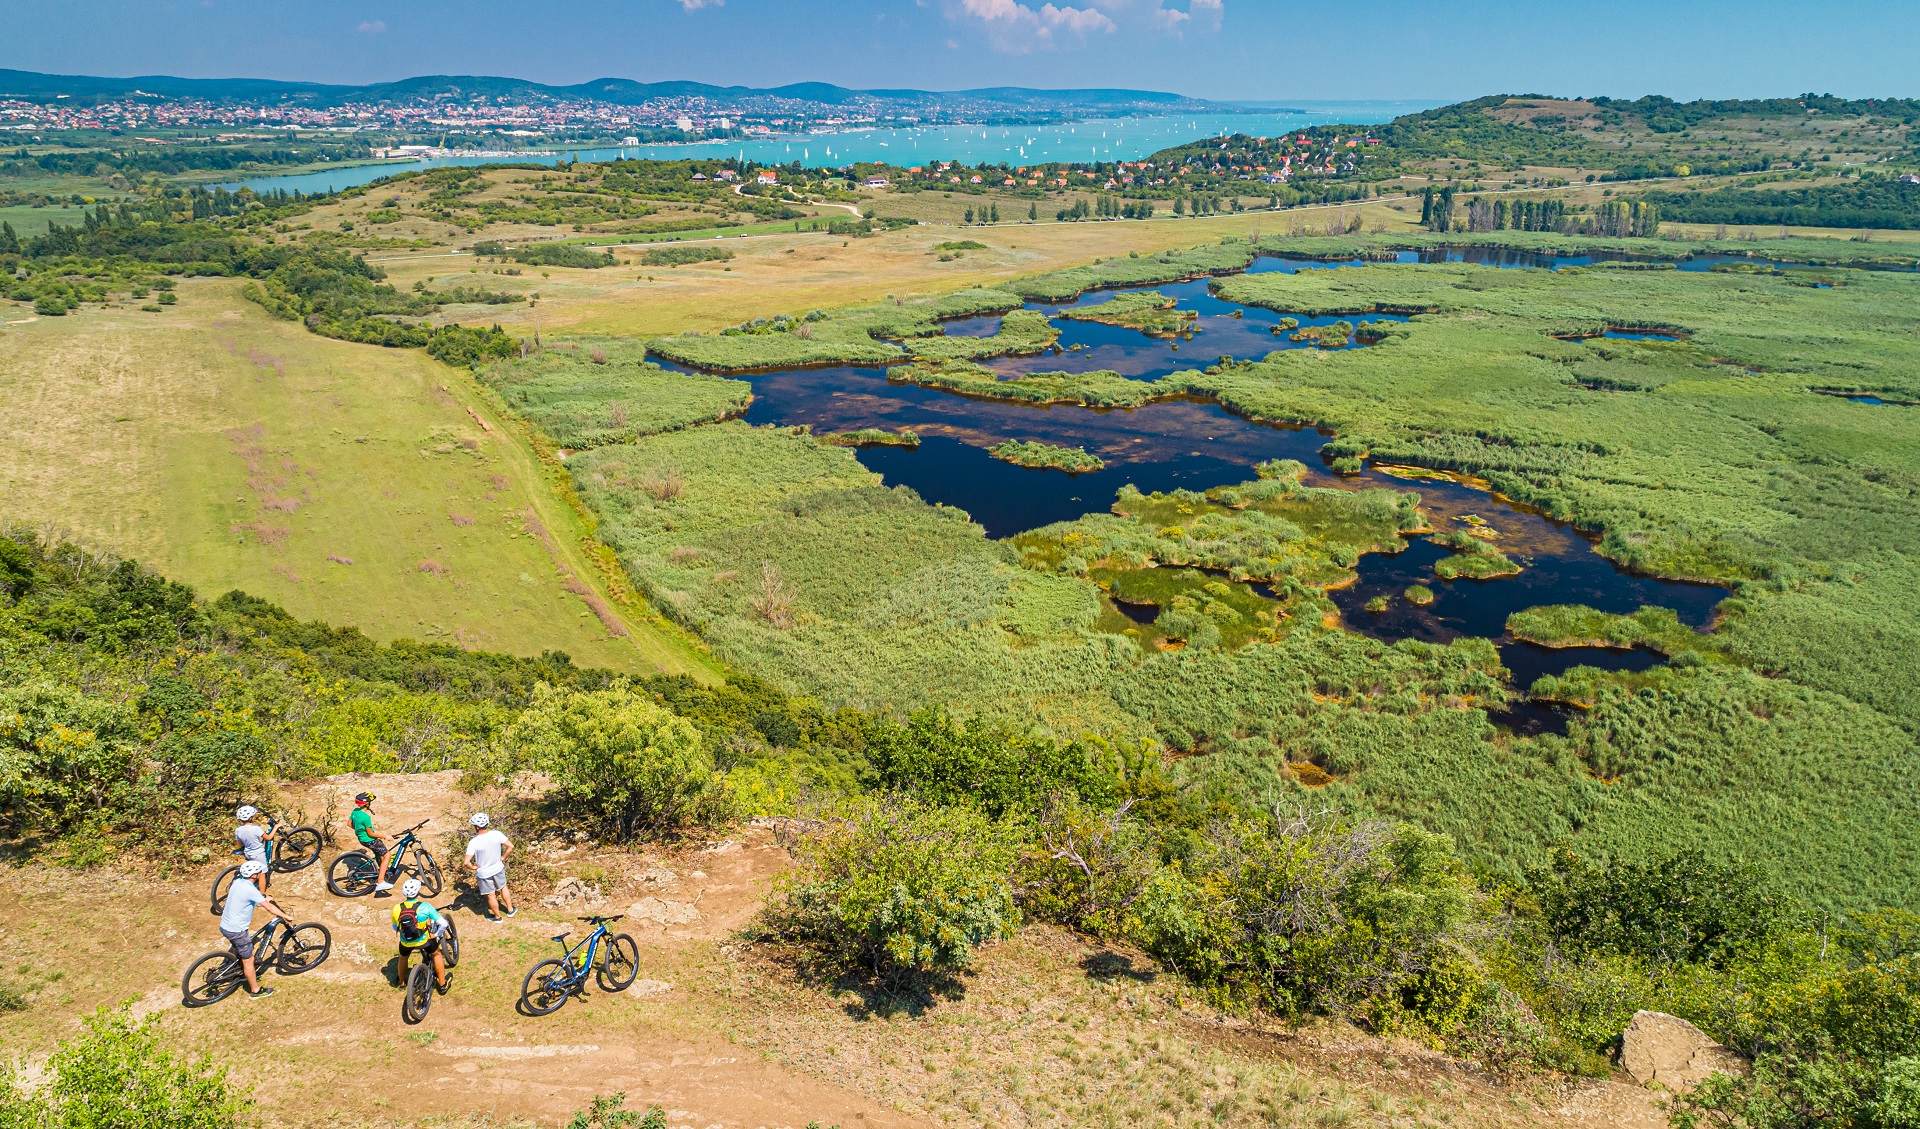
362 821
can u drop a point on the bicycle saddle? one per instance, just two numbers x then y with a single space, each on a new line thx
563 936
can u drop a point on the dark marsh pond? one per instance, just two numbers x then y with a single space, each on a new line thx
1195 445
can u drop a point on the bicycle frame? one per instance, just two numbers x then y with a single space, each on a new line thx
577 970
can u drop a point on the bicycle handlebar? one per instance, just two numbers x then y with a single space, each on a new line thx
417 826
604 920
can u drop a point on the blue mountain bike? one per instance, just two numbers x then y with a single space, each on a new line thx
550 982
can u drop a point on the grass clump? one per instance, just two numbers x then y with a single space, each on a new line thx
855 335
873 437
1102 389
1474 557
591 392
1150 312
1047 456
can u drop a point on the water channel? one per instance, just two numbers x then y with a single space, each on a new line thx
1196 445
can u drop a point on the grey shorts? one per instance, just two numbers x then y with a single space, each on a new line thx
242 942
495 884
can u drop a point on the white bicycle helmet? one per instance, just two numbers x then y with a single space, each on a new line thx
250 868
479 819
410 889
246 812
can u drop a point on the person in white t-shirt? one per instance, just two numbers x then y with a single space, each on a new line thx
487 853
254 839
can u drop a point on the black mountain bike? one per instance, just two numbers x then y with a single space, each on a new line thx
217 975
355 873
549 983
420 985
297 849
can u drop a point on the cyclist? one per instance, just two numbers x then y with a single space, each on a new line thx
362 821
486 857
236 921
253 839
420 927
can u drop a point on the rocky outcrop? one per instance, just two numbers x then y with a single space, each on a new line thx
1667 1049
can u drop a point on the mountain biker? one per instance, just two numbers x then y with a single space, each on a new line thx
362 821
486 857
236 920
420 927
253 839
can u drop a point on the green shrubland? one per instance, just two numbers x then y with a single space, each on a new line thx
1143 270
858 335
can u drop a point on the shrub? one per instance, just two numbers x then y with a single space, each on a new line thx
629 764
605 1113
561 255
119 1073
900 889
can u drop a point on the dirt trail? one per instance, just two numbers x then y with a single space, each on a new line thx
701 1034
334 1038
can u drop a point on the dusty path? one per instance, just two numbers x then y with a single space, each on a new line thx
330 1046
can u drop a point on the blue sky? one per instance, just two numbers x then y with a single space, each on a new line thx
1246 49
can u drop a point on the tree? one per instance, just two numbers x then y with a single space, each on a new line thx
993 214
1033 212
634 765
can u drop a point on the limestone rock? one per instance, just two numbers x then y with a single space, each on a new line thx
571 891
1667 1049
663 911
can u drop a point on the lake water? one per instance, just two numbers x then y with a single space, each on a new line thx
1112 139
1196 445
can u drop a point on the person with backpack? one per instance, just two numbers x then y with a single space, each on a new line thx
486 857
420 927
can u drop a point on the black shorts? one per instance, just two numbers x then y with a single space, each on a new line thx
432 946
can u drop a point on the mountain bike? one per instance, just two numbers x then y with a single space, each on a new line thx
420 985
550 982
217 975
296 850
355 873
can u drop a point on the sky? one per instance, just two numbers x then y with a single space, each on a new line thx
1223 49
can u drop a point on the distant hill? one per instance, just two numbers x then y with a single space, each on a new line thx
999 102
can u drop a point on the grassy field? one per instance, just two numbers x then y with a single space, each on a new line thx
344 482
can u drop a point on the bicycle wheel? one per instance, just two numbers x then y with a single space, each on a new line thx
450 944
298 849
353 874
546 987
303 949
621 965
211 979
419 996
221 885
428 872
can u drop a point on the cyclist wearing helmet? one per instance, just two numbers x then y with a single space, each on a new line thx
486 857
236 921
420 927
362 821
253 839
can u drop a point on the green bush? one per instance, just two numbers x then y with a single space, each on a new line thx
119 1074
995 767
902 890
618 759
605 1113
562 255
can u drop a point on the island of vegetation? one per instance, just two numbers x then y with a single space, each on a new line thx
1047 456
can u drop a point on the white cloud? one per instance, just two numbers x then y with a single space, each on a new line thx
696 5
371 27
1019 26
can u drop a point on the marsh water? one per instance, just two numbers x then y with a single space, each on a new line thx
1195 445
